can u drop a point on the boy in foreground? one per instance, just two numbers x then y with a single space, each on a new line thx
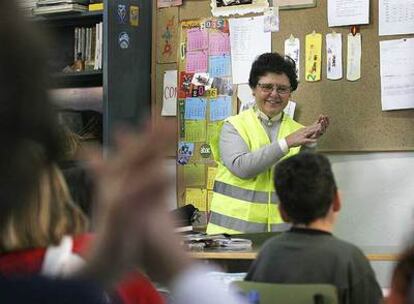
309 253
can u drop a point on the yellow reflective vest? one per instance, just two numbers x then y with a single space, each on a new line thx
247 205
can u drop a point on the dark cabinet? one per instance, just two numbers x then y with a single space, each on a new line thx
125 77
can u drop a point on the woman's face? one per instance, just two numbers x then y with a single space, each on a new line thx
272 93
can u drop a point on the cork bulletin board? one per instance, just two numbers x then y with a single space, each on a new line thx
357 122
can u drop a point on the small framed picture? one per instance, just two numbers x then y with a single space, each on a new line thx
237 7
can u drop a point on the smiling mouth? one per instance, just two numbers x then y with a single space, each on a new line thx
274 101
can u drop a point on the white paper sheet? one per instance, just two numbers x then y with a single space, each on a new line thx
292 49
244 94
345 12
353 60
397 74
247 41
290 109
169 93
334 56
396 17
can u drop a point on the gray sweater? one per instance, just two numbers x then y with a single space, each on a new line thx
303 256
242 162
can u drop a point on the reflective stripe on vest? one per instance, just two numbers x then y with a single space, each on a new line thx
247 205
241 225
259 197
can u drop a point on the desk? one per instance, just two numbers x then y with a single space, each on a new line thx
240 260
251 255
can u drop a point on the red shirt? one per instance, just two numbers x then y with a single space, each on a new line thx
135 288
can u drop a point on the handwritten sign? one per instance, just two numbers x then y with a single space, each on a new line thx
169 99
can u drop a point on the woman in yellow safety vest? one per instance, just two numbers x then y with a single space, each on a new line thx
250 144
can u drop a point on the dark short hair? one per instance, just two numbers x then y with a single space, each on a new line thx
273 63
403 276
306 187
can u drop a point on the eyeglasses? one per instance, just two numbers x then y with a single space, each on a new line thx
269 87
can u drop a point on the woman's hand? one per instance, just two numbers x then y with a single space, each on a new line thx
323 123
310 134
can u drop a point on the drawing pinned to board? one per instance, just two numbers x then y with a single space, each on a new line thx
313 50
184 85
271 19
334 56
185 152
237 7
167 35
292 49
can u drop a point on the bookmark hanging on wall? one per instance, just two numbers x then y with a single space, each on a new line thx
313 50
353 68
292 49
271 19
334 56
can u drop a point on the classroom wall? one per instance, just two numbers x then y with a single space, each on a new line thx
378 206
377 202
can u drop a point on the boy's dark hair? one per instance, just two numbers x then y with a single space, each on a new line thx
306 187
403 276
273 63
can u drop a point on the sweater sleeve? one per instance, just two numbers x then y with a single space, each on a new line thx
364 287
242 162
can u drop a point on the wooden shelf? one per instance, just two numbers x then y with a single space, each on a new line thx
77 79
70 18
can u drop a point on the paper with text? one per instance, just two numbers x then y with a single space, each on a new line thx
345 12
194 174
212 130
247 41
211 175
397 74
219 44
219 66
334 56
396 17
197 39
195 130
353 62
195 108
220 108
169 100
196 62
313 53
196 197
292 49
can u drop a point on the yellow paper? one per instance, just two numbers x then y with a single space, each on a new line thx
194 175
212 130
197 197
313 51
195 130
209 198
211 175
212 93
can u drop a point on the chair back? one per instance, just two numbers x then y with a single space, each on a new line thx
271 293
